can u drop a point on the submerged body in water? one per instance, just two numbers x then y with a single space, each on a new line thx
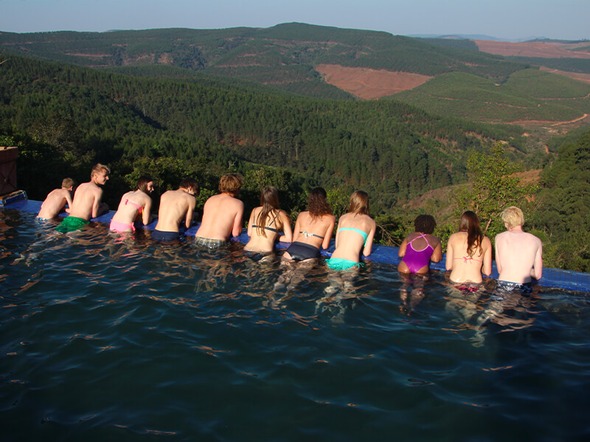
119 338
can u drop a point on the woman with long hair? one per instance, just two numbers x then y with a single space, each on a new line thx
266 223
469 252
313 228
356 230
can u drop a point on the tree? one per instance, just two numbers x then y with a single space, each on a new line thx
493 186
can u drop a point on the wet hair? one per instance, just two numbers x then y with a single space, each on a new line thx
269 200
470 224
231 183
425 224
143 182
67 183
99 168
359 203
317 203
512 217
189 183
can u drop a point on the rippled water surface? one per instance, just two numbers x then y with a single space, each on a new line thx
111 338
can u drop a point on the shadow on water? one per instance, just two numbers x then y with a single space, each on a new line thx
110 337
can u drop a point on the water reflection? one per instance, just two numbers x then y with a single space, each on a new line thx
103 332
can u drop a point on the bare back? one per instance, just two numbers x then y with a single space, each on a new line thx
465 268
86 202
316 232
222 217
518 256
131 204
277 220
176 206
54 203
350 243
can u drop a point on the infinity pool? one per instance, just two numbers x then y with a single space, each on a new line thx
107 337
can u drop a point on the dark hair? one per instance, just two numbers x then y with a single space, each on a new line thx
317 203
142 183
359 203
189 183
425 224
269 200
470 224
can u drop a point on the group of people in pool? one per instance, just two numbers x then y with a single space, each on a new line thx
518 254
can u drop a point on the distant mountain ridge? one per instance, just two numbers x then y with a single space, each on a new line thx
295 58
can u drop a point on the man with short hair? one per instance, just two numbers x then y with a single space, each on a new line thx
57 199
87 201
519 257
176 206
222 214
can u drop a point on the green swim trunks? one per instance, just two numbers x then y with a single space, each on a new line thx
71 224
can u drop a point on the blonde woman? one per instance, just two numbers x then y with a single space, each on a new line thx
356 230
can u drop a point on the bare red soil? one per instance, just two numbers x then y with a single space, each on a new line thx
576 76
370 84
534 49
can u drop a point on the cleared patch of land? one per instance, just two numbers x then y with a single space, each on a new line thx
575 75
370 84
536 49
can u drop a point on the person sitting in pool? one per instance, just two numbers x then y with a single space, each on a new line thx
418 249
469 252
313 228
134 204
176 206
87 201
266 223
355 233
519 255
57 199
222 214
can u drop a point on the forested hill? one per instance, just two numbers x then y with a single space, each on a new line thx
68 117
284 56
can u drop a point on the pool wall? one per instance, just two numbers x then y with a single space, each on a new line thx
554 278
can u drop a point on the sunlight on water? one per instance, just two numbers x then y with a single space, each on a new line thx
107 337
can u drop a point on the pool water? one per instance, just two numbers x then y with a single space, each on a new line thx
109 337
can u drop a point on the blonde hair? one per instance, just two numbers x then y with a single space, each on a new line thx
512 217
359 203
99 168
67 183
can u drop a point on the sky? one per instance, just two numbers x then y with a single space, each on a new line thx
503 19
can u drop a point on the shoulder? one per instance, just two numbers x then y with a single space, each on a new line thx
433 239
534 238
501 235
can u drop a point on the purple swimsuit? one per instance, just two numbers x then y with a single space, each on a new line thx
417 259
